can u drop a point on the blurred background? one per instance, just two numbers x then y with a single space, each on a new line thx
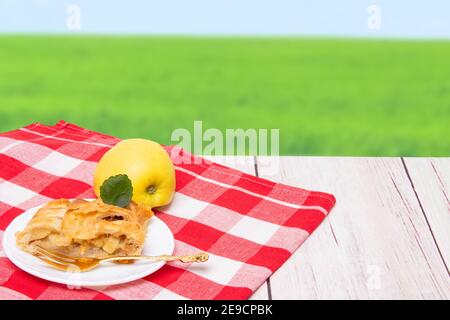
349 77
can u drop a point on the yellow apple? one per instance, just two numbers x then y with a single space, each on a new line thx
148 166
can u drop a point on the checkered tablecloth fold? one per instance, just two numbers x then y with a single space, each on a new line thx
249 226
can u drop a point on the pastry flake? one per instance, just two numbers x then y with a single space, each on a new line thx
86 229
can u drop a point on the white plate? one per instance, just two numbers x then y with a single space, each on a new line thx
159 240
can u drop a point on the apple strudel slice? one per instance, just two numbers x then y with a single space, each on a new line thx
86 229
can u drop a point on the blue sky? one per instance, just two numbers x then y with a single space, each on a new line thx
399 18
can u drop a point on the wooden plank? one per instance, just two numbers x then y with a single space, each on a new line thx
375 244
431 181
247 165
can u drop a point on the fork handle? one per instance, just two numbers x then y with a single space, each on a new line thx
198 257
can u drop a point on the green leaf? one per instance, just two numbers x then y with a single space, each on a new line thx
117 190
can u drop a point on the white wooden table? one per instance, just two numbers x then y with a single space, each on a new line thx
388 237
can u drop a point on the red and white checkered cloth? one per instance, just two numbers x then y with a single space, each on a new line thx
248 225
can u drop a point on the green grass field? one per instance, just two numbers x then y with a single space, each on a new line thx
327 96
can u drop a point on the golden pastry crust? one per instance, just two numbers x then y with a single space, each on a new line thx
90 229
